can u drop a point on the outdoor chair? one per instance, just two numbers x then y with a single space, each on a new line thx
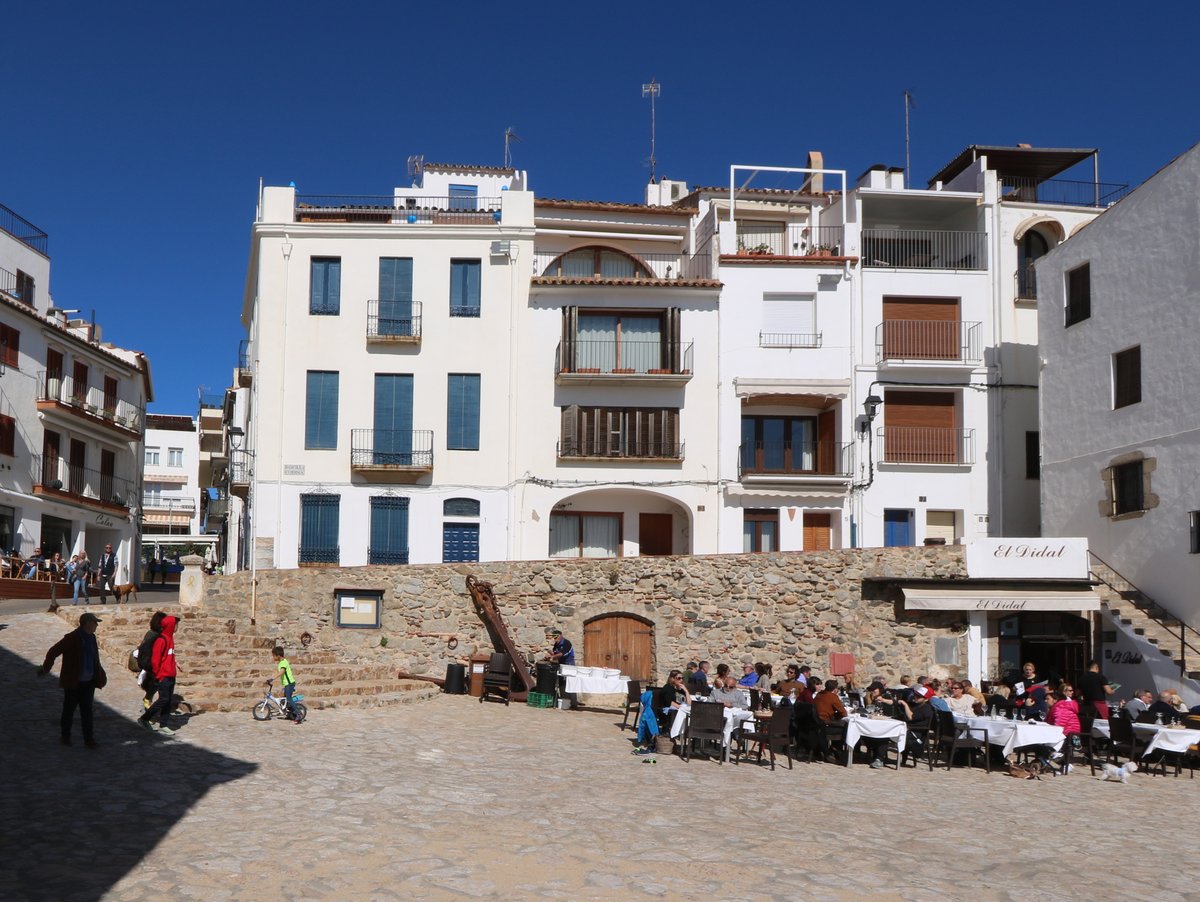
953 737
1146 717
706 721
497 678
633 703
1088 742
769 734
1121 739
807 731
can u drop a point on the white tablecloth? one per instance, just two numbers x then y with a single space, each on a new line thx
605 685
858 727
1166 739
1015 734
733 717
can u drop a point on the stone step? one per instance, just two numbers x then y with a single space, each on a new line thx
407 697
249 677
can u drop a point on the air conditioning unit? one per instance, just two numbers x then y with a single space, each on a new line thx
501 248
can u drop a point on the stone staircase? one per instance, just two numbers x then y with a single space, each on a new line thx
224 668
1137 612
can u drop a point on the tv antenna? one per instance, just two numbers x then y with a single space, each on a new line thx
652 91
510 135
416 166
909 104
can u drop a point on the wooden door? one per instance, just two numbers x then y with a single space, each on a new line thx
818 531
51 451
657 534
921 329
621 641
76 466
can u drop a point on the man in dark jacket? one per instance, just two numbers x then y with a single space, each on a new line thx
107 569
162 668
81 675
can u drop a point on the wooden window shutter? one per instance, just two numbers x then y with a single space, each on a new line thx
673 344
569 436
570 326
826 445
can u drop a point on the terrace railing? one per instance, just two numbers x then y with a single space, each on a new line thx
56 474
24 230
949 341
1061 192
927 445
924 249
387 319
89 400
410 209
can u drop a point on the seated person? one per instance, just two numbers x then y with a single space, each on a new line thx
921 717
32 564
1064 712
827 704
1164 707
672 696
698 680
959 702
905 690
792 683
1141 701
722 672
1176 700
937 700
749 679
969 689
808 731
764 676
729 695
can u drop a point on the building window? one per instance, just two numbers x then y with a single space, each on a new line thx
460 507
897 528
1033 455
789 445
151 456
596 262
319 526
460 542
462 412
389 530
789 321
464 197
8 443
619 343
585 535
1079 294
24 287
1127 377
760 530
325 287
464 287
174 457
1127 490
10 346
321 411
1194 522
620 432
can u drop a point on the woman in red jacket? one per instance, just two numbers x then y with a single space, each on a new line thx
162 668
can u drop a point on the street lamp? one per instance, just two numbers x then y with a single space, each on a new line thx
871 409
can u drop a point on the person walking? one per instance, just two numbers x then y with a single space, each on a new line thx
81 675
146 676
151 568
162 668
80 577
108 573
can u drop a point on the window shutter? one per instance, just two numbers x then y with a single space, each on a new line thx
389 530
393 423
321 411
674 341
826 445
462 415
319 527
569 432
325 286
570 326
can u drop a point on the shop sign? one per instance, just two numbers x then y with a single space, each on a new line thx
1010 558
105 520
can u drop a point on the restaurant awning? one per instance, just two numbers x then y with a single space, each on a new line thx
1016 600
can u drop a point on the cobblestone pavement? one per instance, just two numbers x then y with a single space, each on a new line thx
453 799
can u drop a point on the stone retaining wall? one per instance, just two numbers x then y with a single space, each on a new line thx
778 608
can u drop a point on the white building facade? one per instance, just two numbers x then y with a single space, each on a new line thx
170 488
72 412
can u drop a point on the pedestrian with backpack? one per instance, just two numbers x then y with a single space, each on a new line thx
141 663
163 669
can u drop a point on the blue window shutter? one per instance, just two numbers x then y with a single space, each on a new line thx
465 278
462 412
319 528
325 286
321 411
395 296
389 530
393 419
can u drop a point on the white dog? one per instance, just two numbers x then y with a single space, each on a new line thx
1121 774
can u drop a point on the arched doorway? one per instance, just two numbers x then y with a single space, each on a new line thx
1033 245
623 641
1058 644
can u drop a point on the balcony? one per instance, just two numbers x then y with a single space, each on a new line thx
1060 192
1025 283
928 445
24 231
606 266
61 394
390 455
789 339
54 477
245 365
927 341
392 210
616 447
792 242
239 473
158 510
611 361
388 321
924 249
15 287
787 463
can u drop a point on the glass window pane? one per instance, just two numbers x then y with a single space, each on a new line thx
772 437
600 535
564 535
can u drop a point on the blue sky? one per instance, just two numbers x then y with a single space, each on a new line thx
137 132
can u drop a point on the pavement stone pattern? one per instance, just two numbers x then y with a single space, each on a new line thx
452 799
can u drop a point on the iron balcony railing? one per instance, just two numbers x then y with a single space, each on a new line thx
618 266
319 554
624 357
162 504
10 285
951 341
789 339
1026 283
239 467
796 459
927 445
90 400
1061 192
792 239
23 230
393 448
386 556
924 249
388 319
402 209
619 448
56 474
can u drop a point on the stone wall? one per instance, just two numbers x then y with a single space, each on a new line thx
777 608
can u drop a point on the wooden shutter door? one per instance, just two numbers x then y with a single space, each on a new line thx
920 427
621 641
921 328
818 531
826 445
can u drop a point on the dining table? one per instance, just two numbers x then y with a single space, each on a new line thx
1014 734
860 726
1159 737
734 717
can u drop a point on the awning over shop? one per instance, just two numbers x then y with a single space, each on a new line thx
825 389
1015 600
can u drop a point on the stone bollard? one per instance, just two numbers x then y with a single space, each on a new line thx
191 581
